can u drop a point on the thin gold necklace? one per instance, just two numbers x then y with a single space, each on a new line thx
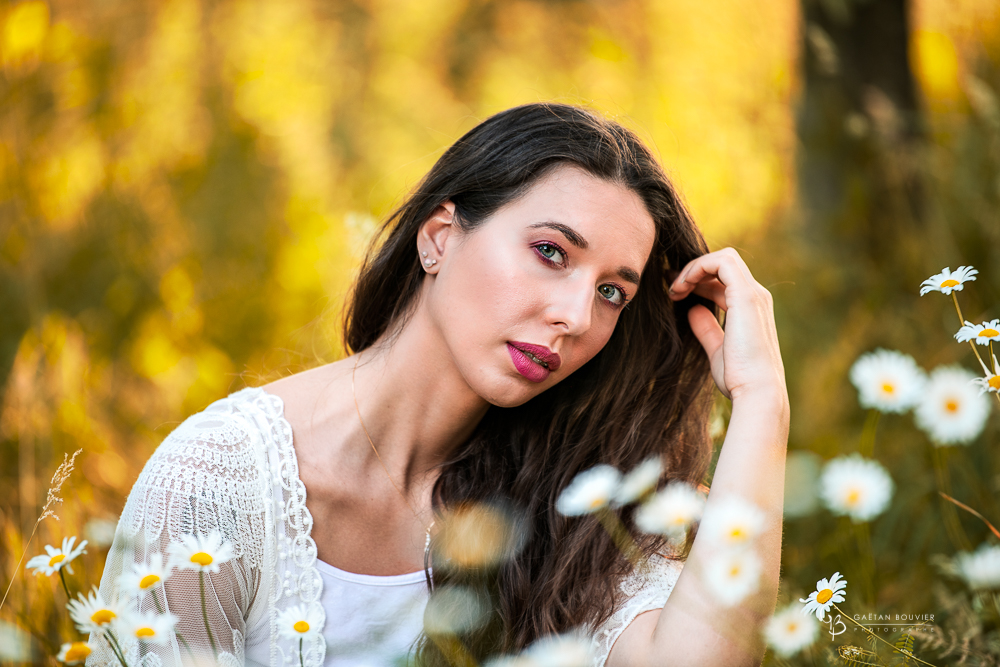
427 529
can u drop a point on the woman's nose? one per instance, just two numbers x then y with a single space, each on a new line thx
571 307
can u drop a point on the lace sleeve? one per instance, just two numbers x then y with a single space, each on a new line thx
205 477
642 591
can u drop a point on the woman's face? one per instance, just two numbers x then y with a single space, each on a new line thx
535 292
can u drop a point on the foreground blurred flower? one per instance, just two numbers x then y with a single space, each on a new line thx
200 552
75 653
568 650
887 380
92 613
981 568
56 558
732 575
144 576
643 479
589 491
732 522
300 622
787 632
452 610
477 535
147 626
856 487
951 410
946 281
100 532
980 333
827 592
671 510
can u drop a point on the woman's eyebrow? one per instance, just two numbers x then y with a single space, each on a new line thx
576 239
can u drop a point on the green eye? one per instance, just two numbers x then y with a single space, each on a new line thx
612 294
547 250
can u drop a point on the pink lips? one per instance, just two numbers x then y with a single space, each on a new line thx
530 369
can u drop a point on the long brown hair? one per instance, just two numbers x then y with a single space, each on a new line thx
648 391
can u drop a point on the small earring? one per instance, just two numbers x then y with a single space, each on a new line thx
423 254
430 262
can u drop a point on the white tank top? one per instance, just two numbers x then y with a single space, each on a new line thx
371 621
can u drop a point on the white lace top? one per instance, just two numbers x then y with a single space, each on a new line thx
232 468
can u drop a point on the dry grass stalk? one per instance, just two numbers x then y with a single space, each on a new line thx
53 498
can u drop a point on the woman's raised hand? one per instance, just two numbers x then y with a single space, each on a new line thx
745 357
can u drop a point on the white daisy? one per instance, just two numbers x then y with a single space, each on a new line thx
454 609
301 622
827 592
991 381
640 481
142 577
981 333
981 568
856 487
57 558
92 613
200 552
951 410
732 575
75 653
671 510
148 626
732 522
788 632
573 649
946 281
887 380
589 491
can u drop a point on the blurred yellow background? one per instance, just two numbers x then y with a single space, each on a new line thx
186 186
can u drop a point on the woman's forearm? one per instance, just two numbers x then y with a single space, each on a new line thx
694 628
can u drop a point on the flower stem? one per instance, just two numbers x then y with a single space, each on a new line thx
116 649
204 614
302 662
961 323
867 447
950 515
872 634
62 578
619 534
866 560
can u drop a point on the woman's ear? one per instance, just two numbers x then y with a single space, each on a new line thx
432 238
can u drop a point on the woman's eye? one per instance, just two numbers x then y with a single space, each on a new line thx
612 294
550 252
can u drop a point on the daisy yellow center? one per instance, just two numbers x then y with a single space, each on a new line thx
888 388
734 571
792 626
824 596
58 558
301 627
148 580
951 282
202 558
77 651
989 333
737 534
853 497
951 405
142 633
994 382
103 616
599 501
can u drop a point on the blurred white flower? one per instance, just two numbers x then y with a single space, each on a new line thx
671 510
15 643
589 491
788 632
454 609
981 568
856 487
200 552
827 592
887 380
951 410
100 532
57 558
732 575
643 479
92 613
946 281
981 333
802 469
147 626
301 622
144 576
573 649
75 653
731 522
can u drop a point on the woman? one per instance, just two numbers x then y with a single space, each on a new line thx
517 325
